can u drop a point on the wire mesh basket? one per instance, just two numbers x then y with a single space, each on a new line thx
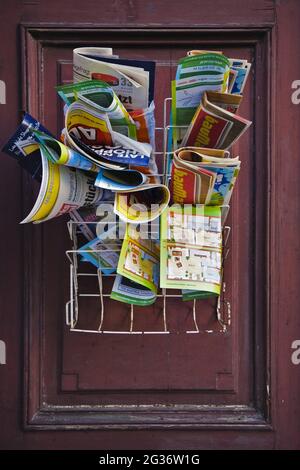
81 271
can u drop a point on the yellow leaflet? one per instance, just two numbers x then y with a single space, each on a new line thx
64 155
51 193
131 214
79 118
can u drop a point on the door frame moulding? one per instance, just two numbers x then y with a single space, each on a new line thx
39 415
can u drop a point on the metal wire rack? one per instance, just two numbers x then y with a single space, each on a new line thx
77 269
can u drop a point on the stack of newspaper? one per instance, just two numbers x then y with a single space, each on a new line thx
206 96
106 153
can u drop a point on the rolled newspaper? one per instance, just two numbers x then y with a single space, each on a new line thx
62 190
142 204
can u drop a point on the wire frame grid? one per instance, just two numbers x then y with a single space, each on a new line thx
223 307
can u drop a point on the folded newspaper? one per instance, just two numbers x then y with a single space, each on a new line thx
191 246
97 94
143 204
62 190
195 75
213 126
227 101
88 131
87 126
238 73
127 291
203 176
139 259
138 124
60 154
120 180
205 71
131 80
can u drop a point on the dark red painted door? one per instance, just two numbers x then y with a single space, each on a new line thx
226 387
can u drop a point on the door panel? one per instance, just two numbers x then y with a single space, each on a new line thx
214 367
236 389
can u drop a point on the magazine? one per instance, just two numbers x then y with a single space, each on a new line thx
203 176
210 65
132 80
195 75
60 154
239 68
103 252
139 259
88 125
214 127
128 291
23 146
120 180
142 204
133 68
227 101
62 190
91 221
191 245
99 95
88 131
138 124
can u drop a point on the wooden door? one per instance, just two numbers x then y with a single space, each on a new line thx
232 387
